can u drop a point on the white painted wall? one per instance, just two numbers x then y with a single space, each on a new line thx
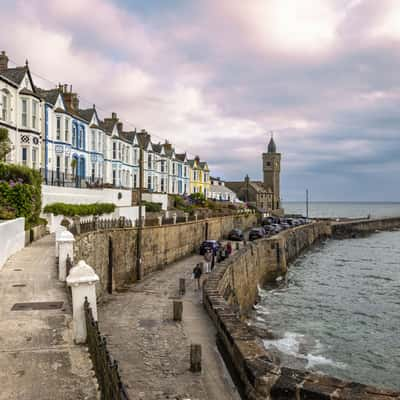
55 194
12 238
157 198
132 213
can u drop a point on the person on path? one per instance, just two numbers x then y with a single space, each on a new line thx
207 260
213 259
197 272
229 248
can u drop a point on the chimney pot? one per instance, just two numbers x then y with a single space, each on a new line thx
114 115
3 61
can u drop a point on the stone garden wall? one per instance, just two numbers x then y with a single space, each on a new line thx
161 245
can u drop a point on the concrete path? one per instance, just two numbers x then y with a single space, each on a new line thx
38 359
153 350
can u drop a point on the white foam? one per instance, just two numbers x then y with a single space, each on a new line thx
290 345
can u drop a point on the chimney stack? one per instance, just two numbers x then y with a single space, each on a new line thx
114 115
71 99
3 61
120 126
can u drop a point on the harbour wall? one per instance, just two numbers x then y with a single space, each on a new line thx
228 294
112 252
350 229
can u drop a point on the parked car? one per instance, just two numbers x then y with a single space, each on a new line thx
236 234
213 245
256 233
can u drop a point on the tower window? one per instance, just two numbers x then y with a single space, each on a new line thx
269 163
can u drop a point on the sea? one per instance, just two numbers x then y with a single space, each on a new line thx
344 209
338 309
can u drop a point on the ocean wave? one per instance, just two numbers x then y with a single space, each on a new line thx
296 345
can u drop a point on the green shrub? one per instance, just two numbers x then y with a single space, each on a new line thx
20 193
152 207
5 143
70 210
198 199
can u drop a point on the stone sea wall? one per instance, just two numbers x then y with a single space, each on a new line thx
112 252
231 290
344 230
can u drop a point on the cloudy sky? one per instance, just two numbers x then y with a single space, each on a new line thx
214 77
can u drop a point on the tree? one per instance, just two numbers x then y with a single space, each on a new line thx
5 144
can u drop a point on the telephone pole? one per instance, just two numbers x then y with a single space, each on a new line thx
139 266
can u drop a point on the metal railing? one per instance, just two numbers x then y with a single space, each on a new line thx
59 178
105 367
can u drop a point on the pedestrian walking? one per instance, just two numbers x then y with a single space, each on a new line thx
212 260
229 248
207 261
197 272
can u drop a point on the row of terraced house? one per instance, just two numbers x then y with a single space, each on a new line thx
74 147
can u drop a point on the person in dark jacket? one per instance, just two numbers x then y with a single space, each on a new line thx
197 272
229 248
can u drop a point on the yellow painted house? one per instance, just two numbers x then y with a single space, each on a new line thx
199 177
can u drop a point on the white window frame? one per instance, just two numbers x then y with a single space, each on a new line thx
24 113
34 113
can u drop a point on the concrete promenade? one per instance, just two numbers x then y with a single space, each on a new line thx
38 359
153 350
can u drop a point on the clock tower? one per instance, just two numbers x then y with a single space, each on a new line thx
272 169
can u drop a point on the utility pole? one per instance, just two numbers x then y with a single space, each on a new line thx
139 267
307 203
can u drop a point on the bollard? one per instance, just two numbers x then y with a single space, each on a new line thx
237 245
174 216
186 217
195 357
160 218
65 247
178 310
182 287
82 279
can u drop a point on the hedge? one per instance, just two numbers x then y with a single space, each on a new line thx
20 193
152 207
82 210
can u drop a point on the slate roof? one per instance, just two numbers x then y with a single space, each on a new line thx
181 156
128 136
157 147
107 125
144 139
87 114
29 93
50 96
203 165
15 75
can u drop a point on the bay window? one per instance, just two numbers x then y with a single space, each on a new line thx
34 113
24 113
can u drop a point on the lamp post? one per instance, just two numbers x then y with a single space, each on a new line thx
139 268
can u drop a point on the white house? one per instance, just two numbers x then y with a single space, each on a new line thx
20 113
218 191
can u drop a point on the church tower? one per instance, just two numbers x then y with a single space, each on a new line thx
272 169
